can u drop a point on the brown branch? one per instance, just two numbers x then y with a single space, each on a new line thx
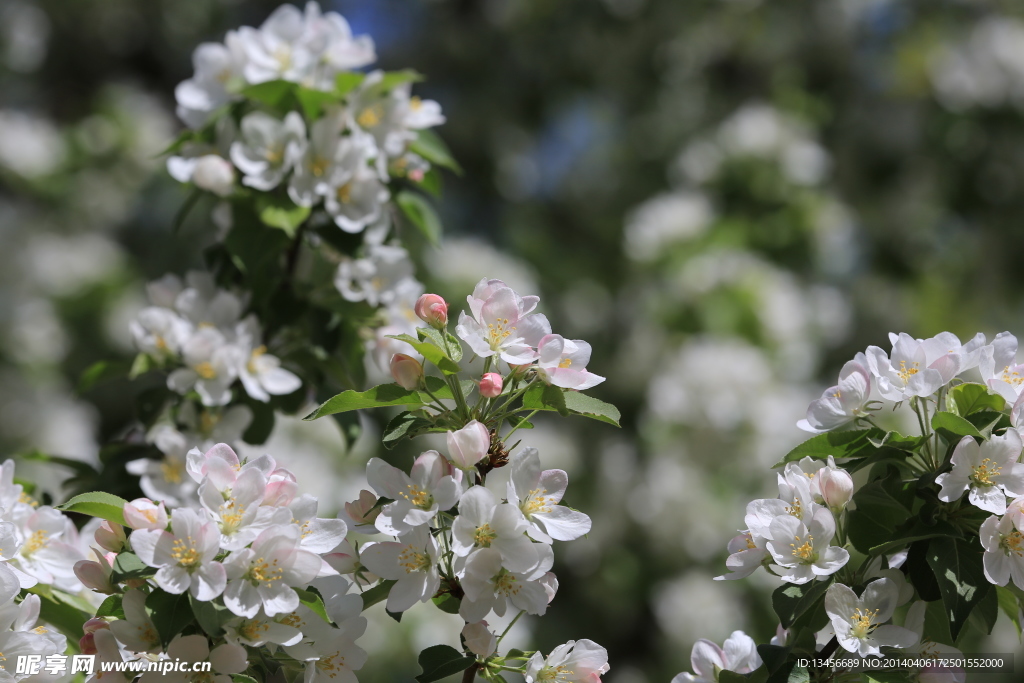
470 675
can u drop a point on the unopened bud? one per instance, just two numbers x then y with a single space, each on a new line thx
490 385
433 310
836 487
87 644
469 445
363 510
406 370
95 624
479 639
142 513
214 174
92 574
110 536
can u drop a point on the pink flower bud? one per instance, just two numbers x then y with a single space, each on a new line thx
142 513
836 487
94 576
469 445
282 487
110 536
87 644
479 639
95 624
406 370
490 385
433 310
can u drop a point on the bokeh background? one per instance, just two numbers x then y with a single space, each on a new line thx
727 198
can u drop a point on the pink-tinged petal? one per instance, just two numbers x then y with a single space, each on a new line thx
533 328
502 305
706 657
429 468
386 480
145 542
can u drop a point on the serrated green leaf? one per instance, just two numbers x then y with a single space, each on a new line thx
447 603
540 396
851 444
431 147
314 101
952 427
421 213
314 602
111 607
970 398
957 566
588 406
270 93
430 352
97 504
130 566
170 613
378 593
441 661
377 397
347 81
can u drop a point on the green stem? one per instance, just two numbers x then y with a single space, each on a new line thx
525 419
509 627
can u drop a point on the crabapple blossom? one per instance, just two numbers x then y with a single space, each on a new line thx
488 585
469 445
358 202
160 332
411 562
990 470
860 622
483 522
261 629
432 485
480 640
44 554
738 654
433 310
909 372
225 660
537 493
563 363
319 534
184 556
136 631
234 505
211 367
95 575
110 536
361 514
1000 369
843 403
165 479
260 372
502 323
335 657
407 371
577 660
268 148
142 513
1004 550
802 552
747 552
836 486
263 575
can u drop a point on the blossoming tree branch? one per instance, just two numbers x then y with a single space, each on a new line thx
313 171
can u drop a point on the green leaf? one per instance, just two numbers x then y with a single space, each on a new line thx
97 504
953 428
1010 606
392 79
129 566
957 565
314 602
421 213
102 371
983 616
448 603
313 101
431 147
278 211
270 93
111 607
970 398
66 617
242 678
81 469
540 396
430 352
211 616
184 137
142 364
918 532
878 513
431 183
377 594
377 397
170 613
347 81
405 425
588 406
798 604
441 661
852 444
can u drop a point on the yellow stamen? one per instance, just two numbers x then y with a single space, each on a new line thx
982 474
184 552
205 370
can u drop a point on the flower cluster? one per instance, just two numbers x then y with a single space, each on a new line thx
341 157
917 520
